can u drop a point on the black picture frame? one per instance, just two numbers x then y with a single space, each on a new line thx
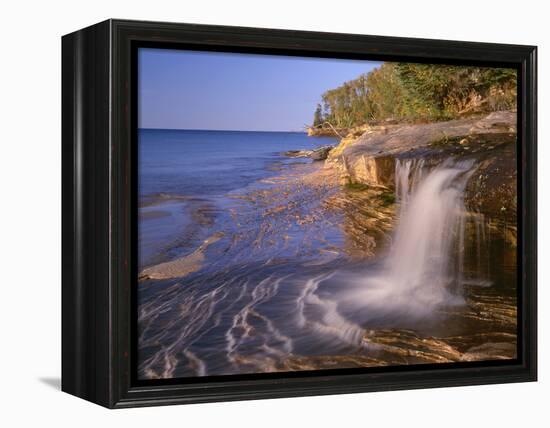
99 212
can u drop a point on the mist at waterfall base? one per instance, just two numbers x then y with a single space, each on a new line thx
252 308
424 268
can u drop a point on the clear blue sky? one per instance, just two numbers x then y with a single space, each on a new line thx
227 91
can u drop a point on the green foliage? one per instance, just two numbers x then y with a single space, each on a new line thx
318 116
406 91
387 198
351 185
446 141
385 90
346 105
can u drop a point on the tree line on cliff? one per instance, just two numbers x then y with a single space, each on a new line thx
417 92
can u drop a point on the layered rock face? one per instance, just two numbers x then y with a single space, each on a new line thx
490 141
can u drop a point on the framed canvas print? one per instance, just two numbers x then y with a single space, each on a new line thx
253 213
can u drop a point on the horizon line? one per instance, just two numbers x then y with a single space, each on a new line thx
214 130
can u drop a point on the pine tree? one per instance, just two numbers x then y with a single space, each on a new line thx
318 116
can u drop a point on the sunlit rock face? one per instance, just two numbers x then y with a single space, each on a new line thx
490 141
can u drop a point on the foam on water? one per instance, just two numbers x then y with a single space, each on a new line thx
424 267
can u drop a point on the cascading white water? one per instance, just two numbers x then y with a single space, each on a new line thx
430 227
408 174
425 265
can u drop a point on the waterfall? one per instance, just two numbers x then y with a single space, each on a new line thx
430 234
407 175
424 267
482 242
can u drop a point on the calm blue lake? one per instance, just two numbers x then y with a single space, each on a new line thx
190 162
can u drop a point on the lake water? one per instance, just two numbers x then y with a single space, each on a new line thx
184 174
189 162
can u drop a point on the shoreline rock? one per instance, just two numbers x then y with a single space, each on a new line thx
318 154
369 160
182 266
